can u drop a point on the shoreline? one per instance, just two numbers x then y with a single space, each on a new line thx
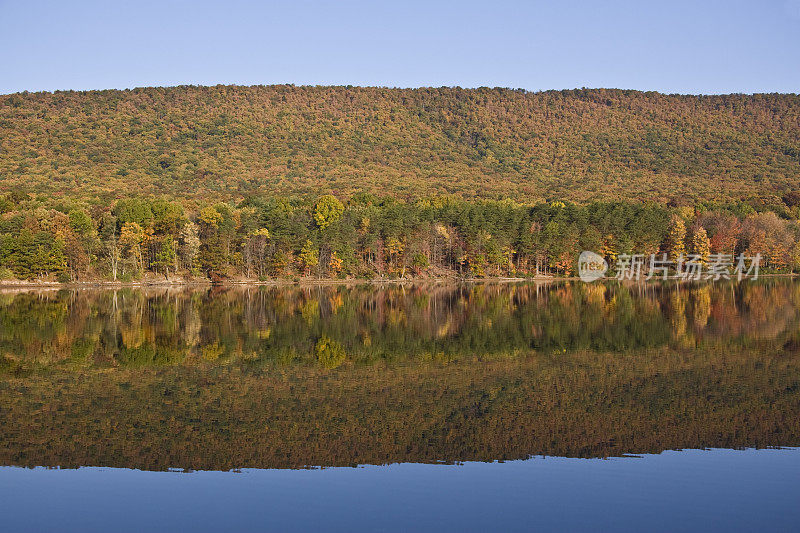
188 283
101 284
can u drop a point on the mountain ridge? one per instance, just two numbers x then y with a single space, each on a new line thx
226 142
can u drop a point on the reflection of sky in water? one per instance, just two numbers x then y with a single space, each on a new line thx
722 490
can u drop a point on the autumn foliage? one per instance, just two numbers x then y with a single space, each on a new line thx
225 142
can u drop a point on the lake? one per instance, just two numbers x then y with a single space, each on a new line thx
443 407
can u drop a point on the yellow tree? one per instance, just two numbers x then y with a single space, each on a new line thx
676 240
132 237
309 256
701 245
327 211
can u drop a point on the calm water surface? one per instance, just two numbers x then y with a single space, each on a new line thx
463 407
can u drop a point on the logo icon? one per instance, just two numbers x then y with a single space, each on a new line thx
591 266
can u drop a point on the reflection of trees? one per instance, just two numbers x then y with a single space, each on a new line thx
272 324
701 306
677 318
575 369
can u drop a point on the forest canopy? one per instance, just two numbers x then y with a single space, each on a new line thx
272 182
224 143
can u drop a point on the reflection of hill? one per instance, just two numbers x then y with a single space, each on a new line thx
584 404
222 379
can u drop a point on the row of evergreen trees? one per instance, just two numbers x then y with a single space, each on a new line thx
364 236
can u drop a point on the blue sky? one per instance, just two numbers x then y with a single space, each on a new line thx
669 46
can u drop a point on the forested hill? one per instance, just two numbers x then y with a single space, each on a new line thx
226 142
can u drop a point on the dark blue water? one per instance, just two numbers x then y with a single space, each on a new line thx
694 490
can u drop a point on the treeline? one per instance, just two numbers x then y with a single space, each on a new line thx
365 236
226 142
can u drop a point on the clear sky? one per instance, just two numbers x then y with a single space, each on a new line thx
670 46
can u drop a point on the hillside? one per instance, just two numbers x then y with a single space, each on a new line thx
226 142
